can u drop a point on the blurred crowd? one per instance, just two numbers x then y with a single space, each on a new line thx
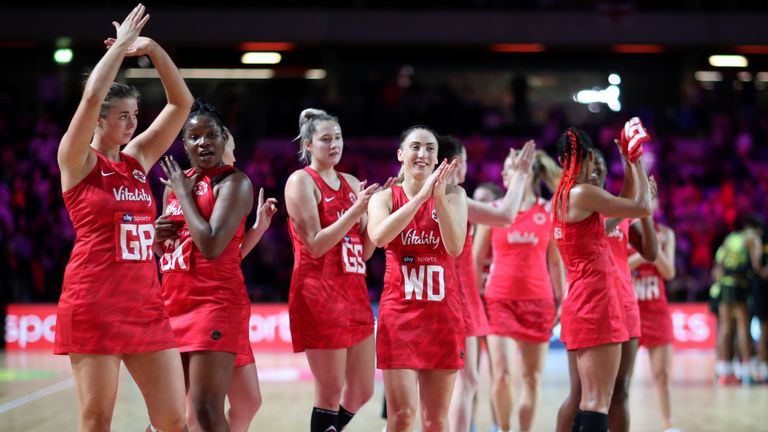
709 157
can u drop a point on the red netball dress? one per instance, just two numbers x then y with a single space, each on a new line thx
328 304
518 295
205 299
110 301
475 319
618 240
655 319
421 323
592 313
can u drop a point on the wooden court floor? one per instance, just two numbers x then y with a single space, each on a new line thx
37 395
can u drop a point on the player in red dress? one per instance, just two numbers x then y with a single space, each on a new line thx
655 320
244 393
475 319
641 235
203 285
593 322
110 307
522 294
330 312
420 337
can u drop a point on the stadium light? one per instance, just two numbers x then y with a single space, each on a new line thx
728 61
315 74
708 76
266 57
608 96
63 55
241 74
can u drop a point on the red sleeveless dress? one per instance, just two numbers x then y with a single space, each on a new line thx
650 288
592 313
475 319
518 295
328 303
110 301
421 323
618 240
205 299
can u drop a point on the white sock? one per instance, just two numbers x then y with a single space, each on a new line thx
724 368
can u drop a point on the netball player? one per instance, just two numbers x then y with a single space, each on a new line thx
656 333
422 224
330 313
244 393
592 318
642 236
203 284
522 294
475 320
110 308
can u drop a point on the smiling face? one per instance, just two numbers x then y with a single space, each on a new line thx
418 153
119 125
599 170
204 142
327 143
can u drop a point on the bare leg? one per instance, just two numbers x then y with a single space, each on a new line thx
96 378
161 381
210 373
401 388
598 367
329 368
744 338
661 365
500 351
358 388
435 389
725 333
567 412
244 396
460 411
618 417
533 355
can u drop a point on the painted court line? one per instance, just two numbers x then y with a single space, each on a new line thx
39 394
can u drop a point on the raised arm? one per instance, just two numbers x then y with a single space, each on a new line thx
665 261
148 146
505 213
74 155
233 203
301 202
265 209
642 237
165 228
596 199
481 250
451 207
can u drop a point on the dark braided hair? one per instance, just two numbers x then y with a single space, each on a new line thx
574 145
201 108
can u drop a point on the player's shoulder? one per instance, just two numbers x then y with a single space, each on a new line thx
353 181
455 189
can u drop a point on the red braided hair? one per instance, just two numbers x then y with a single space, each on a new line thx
571 158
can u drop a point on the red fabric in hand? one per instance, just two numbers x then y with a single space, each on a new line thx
633 135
